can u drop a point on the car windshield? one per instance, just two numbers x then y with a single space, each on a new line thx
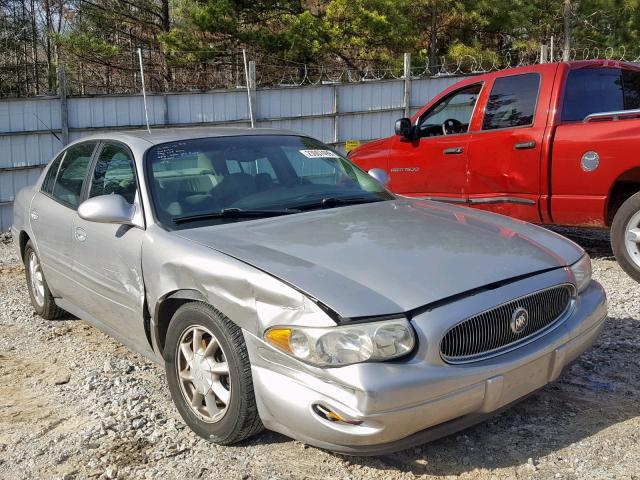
221 179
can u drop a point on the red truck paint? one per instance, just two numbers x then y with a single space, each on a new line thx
542 184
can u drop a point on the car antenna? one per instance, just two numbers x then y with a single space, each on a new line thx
144 91
246 76
47 127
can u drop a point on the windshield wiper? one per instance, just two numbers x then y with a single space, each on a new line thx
328 202
234 213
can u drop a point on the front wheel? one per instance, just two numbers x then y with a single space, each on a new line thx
209 375
625 236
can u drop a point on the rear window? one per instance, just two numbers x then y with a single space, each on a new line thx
512 102
598 90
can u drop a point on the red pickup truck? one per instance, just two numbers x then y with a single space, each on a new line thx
552 144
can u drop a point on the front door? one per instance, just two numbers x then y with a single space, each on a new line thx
434 165
108 257
51 214
505 153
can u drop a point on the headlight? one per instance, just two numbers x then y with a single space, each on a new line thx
344 345
582 272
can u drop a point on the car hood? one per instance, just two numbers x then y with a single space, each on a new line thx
389 257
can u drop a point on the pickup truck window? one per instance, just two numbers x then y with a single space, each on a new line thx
457 106
512 102
598 90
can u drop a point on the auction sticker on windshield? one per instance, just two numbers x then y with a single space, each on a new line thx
319 154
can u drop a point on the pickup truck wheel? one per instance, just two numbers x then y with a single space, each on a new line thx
625 236
209 375
41 298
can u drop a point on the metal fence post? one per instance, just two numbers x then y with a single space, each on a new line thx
336 116
406 99
64 109
544 53
252 91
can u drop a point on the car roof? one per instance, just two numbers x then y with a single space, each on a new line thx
172 134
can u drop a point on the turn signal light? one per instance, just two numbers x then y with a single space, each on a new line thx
332 416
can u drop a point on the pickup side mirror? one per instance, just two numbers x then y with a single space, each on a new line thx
380 175
404 128
107 209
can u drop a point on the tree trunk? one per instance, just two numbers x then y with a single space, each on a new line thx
433 37
566 49
166 27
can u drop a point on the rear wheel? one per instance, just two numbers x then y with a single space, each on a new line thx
625 236
209 375
41 298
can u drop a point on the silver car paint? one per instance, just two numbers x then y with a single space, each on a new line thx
389 257
376 259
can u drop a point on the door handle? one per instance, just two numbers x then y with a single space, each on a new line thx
525 145
453 151
81 234
34 215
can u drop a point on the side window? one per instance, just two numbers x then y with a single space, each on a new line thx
114 173
593 90
71 174
631 89
512 102
456 110
52 173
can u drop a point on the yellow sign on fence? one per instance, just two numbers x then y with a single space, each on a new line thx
351 144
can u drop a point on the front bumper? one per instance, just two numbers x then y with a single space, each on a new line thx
419 399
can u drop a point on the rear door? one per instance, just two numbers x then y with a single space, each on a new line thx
435 164
107 256
52 212
589 155
506 150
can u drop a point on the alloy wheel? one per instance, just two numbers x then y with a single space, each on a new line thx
632 238
36 278
203 373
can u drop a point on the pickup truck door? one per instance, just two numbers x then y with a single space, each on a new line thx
107 257
506 150
434 164
592 149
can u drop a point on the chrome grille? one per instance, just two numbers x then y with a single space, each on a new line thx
490 333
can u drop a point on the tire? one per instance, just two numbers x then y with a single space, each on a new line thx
625 223
41 298
238 418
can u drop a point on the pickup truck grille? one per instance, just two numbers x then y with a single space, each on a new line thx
490 333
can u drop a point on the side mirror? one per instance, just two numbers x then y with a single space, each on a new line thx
380 175
404 128
107 209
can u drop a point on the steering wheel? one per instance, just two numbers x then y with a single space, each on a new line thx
450 126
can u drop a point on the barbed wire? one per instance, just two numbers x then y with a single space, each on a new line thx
209 69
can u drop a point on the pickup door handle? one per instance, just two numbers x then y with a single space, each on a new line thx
453 151
525 145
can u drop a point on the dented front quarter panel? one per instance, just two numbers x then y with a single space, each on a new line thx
252 299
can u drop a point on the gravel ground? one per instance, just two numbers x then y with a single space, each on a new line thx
76 404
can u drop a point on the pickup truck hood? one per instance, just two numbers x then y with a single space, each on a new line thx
389 257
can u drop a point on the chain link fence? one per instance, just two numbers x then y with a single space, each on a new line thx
206 70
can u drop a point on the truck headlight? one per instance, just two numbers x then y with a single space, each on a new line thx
582 272
344 345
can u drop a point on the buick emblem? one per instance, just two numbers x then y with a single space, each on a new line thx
519 320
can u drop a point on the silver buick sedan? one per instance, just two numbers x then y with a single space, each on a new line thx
282 287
